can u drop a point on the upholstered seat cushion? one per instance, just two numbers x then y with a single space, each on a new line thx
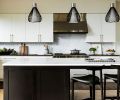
88 79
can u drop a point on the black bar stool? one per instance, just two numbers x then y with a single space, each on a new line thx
115 78
90 80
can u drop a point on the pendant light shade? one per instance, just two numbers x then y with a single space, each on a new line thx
73 16
112 15
34 15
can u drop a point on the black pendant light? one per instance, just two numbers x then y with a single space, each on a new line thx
73 16
112 15
34 15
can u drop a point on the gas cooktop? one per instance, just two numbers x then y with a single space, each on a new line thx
62 55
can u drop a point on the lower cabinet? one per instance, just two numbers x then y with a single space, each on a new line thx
36 83
20 85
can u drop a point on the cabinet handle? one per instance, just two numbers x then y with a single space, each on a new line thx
101 38
10 37
39 37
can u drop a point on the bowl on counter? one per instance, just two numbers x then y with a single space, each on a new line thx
110 53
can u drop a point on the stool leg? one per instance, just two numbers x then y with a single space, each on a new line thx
72 89
104 87
118 82
101 83
93 85
91 92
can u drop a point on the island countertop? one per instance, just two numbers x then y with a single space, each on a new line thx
57 62
48 77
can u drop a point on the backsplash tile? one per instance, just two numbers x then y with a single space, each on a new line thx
63 43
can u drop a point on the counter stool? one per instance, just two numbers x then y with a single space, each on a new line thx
113 77
90 80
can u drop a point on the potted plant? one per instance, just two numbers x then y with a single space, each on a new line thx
93 50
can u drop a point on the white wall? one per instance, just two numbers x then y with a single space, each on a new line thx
54 6
63 44
118 30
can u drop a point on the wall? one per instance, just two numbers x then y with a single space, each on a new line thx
118 30
65 42
54 6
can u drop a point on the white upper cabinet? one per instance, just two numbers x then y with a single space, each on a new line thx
46 28
5 28
18 27
94 28
97 26
108 30
32 31
41 31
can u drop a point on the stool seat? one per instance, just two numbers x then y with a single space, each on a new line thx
111 76
115 79
87 79
91 80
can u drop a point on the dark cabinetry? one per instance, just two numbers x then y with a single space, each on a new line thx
35 83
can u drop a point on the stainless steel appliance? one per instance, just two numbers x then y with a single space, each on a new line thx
100 59
62 55
75 52
62 26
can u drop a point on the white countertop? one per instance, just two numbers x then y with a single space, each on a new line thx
57 62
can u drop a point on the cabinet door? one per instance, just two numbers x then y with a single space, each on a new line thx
18 27
32 31
94 27
5 28
46 28
108 30
20 84
53 84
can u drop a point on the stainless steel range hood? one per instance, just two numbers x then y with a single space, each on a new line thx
62 26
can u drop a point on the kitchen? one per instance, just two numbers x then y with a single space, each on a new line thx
41 37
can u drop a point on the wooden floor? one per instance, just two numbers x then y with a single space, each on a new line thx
1 94
79 94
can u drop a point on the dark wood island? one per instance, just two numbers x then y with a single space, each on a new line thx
36 83
43 78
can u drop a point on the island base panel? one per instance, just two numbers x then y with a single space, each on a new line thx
34 83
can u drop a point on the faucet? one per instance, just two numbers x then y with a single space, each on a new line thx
46 49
